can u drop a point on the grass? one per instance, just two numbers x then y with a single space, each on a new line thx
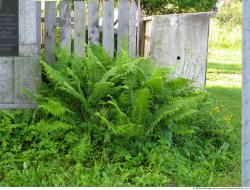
224 79
224 68
224 85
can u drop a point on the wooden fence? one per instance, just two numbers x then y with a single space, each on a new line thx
75 23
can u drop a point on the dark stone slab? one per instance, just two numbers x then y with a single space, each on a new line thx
9 31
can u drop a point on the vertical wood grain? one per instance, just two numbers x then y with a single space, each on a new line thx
132 29
140 30
93 22
79 27
108 26
123 23
65 25
50 30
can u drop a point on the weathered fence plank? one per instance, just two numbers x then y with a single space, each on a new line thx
132 29
123 23
108 26
65 25
38 25
79 28
93 22
140 30
127 32
50 30
246 96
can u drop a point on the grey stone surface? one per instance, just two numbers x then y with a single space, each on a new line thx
27 77
27 28
17 75
179 41
22 72
17 106
6 80
246 96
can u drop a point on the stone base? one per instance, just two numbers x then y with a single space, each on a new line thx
17 106
18 74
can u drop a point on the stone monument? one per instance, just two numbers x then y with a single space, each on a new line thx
19 59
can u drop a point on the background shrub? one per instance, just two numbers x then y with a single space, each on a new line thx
153 7
226 29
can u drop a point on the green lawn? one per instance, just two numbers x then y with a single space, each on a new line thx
224 84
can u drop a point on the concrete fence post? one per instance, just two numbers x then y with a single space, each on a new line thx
246 96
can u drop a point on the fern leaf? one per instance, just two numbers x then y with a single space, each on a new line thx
95 68
129 130
61 82
101 90
102 56
141 105
54 107
107 123
81 150
122 118
52 126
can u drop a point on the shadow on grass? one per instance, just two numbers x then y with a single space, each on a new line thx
224 68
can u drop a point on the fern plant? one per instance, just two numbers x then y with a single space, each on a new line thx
122 95
105 122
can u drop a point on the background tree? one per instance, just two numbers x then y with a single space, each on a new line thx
176 6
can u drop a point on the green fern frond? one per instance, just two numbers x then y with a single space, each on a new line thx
81 150
52 126
183 129
122 58
101 89
102 56
141 106
165 111
107 123
71 137
61 82
54 107
122 118
178 109
95 68
64 58
184 113
129 130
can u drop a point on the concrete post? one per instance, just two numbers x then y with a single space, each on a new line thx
179 41
246 96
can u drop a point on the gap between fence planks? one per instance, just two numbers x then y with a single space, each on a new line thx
83 24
